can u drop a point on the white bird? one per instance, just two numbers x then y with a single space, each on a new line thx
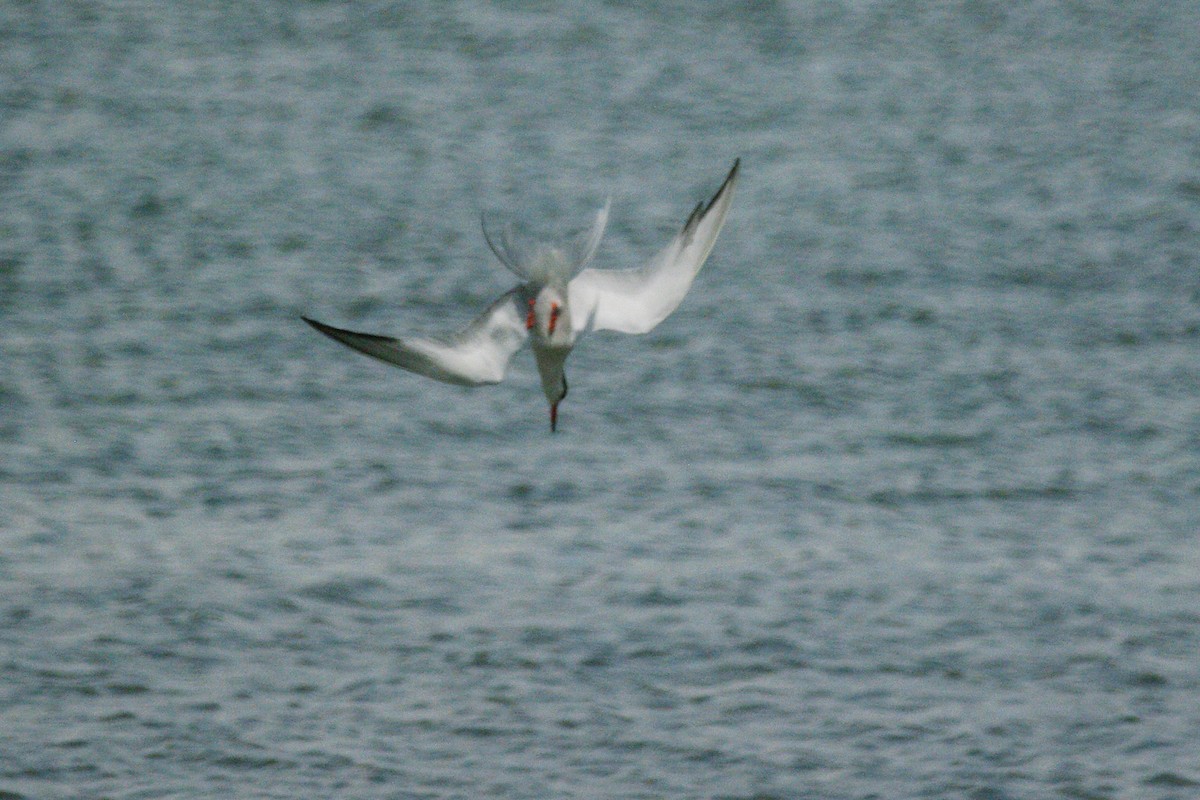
556 302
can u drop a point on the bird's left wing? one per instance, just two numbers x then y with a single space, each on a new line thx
477 355
636 300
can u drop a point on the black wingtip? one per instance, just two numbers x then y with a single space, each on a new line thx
702 208
733 171
340 334
321 327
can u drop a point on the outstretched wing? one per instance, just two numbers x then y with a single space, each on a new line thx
636 300
474 356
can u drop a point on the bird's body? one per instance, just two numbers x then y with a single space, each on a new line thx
557 301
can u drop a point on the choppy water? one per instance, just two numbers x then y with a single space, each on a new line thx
903 502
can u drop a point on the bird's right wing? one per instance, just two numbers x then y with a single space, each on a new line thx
477 355
636 300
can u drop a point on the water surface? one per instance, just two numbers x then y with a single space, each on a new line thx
902 502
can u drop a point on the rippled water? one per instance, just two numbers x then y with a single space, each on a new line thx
902 502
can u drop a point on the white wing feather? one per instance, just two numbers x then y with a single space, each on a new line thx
636 300
477 355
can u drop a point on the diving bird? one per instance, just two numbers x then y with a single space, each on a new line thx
558 299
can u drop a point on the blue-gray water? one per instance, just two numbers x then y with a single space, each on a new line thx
902 502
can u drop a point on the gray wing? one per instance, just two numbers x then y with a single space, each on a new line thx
636 300
477 355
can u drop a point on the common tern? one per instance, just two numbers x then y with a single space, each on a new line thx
558 299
